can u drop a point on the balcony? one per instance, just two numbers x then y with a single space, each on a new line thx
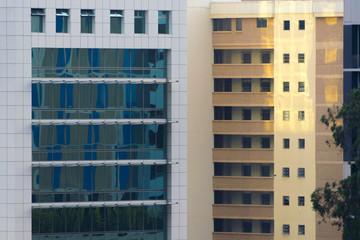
243 127
239 211
247 236
243 183
238 155
243 70
243 99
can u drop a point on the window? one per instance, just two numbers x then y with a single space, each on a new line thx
301 58
247 227
265 142
286 143
301 201
222 24
265 114
286 86
265 227
301 24
286 25
301 115
301 229
265 171
139 21
301 87
286 200
265 199
87 21
261 22
247 198
265 85
246 114
37 20
286 115
301 172
62 20
246 85
286 58
246 142
246 170
286 172
238 24
301 143
246 57
164 22
116 21
218 56
286 229
265 57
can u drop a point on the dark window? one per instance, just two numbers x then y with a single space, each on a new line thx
238 24
286 115
261 22
87 21
301 115
286 200
301 24
265 142
301 143
218 141
247 198
265 85
301 172
246 57
286 229
116 21
246 170
265 227
265 199
37 20
246 142
62 20
218 56
222 113
139 21
247 227
301 58
286 86
246 114
301 201
286 25
265 57
163 22
286 58
222 24
301 230
246 85
265 114
222 84
301 87
286 142
286 172
265 171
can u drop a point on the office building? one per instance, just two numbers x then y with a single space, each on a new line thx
267 71
93 102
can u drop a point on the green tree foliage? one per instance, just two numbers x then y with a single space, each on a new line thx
339 203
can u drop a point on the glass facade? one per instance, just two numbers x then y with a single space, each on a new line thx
101 223
98 63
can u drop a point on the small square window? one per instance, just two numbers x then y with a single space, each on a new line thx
301 229
286 200
164 22
286 172
286 25
246 57
265 57
301 115
265 85
286 229
301 143
265 114
62 20
301 172
286 58
246 114
87 21
246 170
286 86
301 201
286 115
261 22
247 198
301 87
301 24
286 143
116 21
265 199
139 21
265 171
247 227
301 58
246 85
222 24
246 142
265 142
37 20
265 227
238 24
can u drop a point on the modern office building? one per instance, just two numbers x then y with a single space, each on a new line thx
93 101
261 73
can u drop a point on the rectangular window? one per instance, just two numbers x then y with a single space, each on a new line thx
246 142
222 24
265 171
265 57
246 85
246 114
286 86
286 142
301 115
238 24
265 227
265 199
286 58
246 57
265 142
116 21
247 227
286 229
265 114
265 85
301 24
247 198
286 200
286 115
139 21
37 20
218 56
301 229
301 143
301 201
246 169
286 172
164 22
261 22
301 58
301 87
301 172
87 21
286 25
62 20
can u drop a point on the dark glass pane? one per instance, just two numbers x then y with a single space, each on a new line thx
137 218
124 177
85 217
98 219
124 218
46 220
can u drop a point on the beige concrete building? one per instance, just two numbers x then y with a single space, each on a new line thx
260 75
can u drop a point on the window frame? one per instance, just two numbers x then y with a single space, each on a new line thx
246 142
265 142
238 21
265 85
265 57
286 229
301 115
301 229
247 198
286 201
286 143
167 19
87 14
265 114
222 23
301 143
301 172
115 15
286 172
246 114
301 88
265 199
301 57
261 22
246 84
137 15
246 170
286 57
301 24
286 86
65 15
286 115
246 58
247 227
40 14
301 201
286 25
265 170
